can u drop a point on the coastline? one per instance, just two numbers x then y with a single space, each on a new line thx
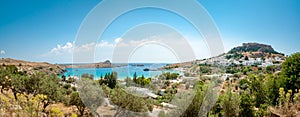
123 71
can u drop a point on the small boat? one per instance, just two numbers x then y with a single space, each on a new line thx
146 69
138 65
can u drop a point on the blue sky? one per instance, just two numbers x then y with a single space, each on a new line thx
45 30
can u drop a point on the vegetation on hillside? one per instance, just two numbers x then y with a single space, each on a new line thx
253 47
251 91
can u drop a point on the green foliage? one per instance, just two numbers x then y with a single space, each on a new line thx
246 108
262 112
167 95
129 81
234 55
254 47
110 79
129 102
134 77
142 81
51 88
39 83
258 90
70 80
6 73
230 103
91 94
76 100
205 69
12 69
246 58
168 76
193 109
270 69
162 114
288 104
291 71
63 78
244 84
272 83
26 105
86 75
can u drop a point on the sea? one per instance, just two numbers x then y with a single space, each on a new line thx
123 71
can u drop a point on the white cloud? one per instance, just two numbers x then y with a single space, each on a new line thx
104 44
61 49
69 48
117 40
85 47
104 50
2 52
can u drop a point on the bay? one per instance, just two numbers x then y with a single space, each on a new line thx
123 71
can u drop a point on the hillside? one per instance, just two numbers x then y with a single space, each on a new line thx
255 50
248 54
32 67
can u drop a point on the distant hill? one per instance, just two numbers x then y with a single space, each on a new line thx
254 47
255 50
32 67
105 64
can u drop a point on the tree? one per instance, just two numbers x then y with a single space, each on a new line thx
6 72
273 83
127 102
142 80
246 108
63 78
244 84
91 94
129 81
86 75
270 69
51 88
4 79
101 81
246 58
75 100
101 76
193 109
134 77
168 76
38 83
17 84
258 90
291 71
112 81
230 103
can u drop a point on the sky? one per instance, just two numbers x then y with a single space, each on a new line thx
46 31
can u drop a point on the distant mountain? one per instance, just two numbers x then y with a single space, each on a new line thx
255 50
254 47
105 64
32 67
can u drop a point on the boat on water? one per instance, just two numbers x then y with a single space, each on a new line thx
138 65
146 69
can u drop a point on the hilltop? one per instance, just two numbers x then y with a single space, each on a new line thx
255 50
248 54
32 67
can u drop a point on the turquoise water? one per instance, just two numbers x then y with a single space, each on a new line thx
123 72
